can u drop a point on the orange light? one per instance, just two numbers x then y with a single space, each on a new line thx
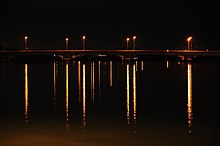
26 94
67 39
111 73
189 104
79 79
128 99
189 39
26 42
67 97
84 96
134 37
84 37
128 39
134 94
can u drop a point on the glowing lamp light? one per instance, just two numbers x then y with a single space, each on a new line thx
134 44
134 37
189 42
127 43
25 41
67 43
189 39
84 37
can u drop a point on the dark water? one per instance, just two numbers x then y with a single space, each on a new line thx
110 103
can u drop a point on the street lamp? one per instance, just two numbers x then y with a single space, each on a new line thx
127 43
25 42
189 43
134 44
83 39
67 43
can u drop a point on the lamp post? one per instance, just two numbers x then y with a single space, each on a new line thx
134 43
189 43
83 39
26 42
127 43
67 43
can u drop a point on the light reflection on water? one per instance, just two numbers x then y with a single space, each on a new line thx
101 86
67 97
110 73
133 75
99 77
189 104
93 82
128 98
55 71
167 64
84 96
79 81
142 65
134 95
130 72
26 96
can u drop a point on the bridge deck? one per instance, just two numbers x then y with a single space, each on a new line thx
184 54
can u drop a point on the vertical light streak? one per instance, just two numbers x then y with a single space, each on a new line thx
128 99
111 73
99 75
136 65
189 104
54 84
167 64
67 97
134 95
142 65
92 82
84 96
79 81
26 96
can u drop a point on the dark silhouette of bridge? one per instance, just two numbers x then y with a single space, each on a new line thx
123 54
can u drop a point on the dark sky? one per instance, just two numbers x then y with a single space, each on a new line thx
106 23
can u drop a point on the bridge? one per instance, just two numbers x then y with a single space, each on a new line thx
73 54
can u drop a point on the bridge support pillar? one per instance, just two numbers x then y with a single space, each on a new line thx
182 58
189 59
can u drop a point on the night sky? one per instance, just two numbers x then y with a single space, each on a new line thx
107 23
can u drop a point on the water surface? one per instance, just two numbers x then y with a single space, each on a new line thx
109 103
